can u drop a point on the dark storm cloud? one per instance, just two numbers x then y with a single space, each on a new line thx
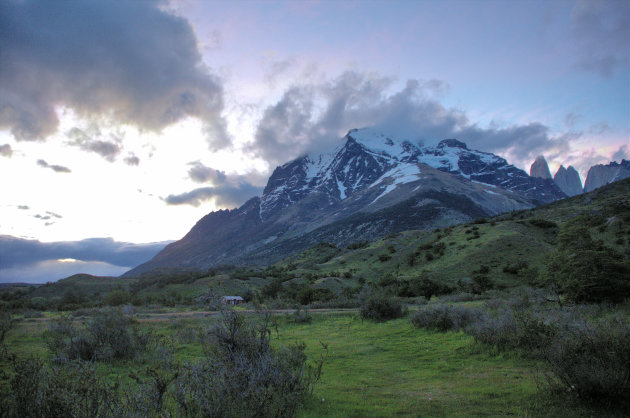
55 168
106 149
131 159
199 173
193 197
226 191
6 151
130 61
602 30
314 117
21 252
226 196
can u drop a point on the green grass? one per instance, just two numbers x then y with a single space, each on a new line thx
372 369
391 368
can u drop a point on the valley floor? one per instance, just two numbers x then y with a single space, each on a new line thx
371 369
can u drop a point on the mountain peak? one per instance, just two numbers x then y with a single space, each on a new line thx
540 168
568 180
452 143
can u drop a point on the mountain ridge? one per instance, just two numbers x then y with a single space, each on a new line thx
369 173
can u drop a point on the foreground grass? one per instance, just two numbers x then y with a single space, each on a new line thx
376 369
385 369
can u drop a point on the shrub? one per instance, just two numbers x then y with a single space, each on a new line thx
62 391
379 307
242 375
426 287
445 317
592 361
117 298
107 335
301 316
510 330
584 270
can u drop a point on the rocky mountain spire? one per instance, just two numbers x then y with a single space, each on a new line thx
540 168
568 180
600 175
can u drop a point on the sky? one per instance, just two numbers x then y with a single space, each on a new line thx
129 121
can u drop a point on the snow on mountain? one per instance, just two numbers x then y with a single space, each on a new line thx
368 156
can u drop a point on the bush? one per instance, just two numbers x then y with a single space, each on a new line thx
70 390
117 298
108 335
423 286
513 330
592 361
243 376
584 270
301 316
445 317
379 307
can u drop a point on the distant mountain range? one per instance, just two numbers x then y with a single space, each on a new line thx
568 180
370 186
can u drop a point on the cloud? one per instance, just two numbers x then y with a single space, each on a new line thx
131 159
20 256
6 151
226 196
226 191
193 197
313 117
131 62
201 174
23 207
623 153
55 168
601 30
106 149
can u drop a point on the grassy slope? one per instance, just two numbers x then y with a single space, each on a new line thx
502 242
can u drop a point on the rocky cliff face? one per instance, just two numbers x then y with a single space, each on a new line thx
600 175
540 168
369 186
568 180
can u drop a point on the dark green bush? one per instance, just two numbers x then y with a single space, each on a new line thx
584 270
380 307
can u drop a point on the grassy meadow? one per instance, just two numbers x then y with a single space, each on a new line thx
371 368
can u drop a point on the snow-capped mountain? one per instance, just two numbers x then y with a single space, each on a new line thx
369 186
368 157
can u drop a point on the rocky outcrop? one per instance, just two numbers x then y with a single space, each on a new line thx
568 180
600 174
540 168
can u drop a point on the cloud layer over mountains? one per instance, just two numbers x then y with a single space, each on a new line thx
314 116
